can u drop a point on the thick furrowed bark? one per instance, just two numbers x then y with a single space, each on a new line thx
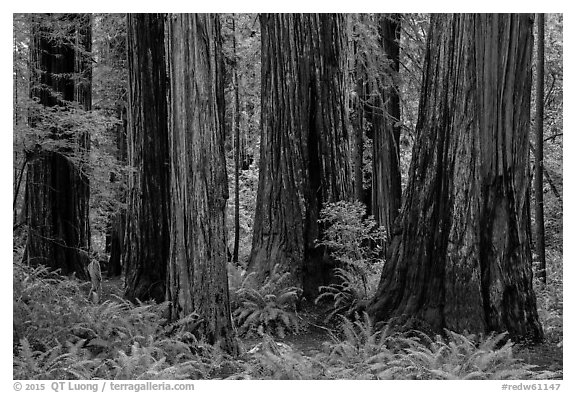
147 229
197 275
461 259
304 148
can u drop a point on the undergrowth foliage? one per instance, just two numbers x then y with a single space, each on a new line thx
267 309
455 356
58 334
355 241
550 299
363 351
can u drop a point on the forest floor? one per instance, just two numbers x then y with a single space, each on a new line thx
545 356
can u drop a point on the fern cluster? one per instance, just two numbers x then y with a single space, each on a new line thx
362 351
356 341
455 356
268 309
60 335
274 360
550 300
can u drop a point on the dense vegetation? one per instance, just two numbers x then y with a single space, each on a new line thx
298 273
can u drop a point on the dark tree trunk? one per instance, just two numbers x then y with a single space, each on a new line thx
237 149
539 236
304 148
57 188
147 230
118 219
358 122
197 275
461 259
385 117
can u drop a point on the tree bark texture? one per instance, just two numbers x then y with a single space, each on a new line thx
118 218
147 226
237 148
461 258
384 115
304 148
57 187
358 121
197 275
539 236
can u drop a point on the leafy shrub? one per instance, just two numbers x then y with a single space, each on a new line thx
269 309
354 241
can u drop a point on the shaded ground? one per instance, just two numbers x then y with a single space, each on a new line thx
546 356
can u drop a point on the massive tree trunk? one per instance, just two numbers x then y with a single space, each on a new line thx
304 148
461 259
384 114
197 275
539 237
57 187
147 230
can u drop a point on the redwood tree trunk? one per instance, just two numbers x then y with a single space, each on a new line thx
197 275
385 117
147 231
539 236
237 148
118 218
57 188
461 259
304 148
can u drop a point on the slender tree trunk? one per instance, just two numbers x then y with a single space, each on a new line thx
197 275
147 227
16 178
358 127
539 237
358 157
385 118
118 219
304 148
237 148
57 187
461 259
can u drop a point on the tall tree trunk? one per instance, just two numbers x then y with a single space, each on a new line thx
57 188
461 258
385 118
118 219
237 148
197 275
539 237
147 226
358 123
304 148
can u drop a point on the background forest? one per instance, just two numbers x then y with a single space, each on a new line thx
287 196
